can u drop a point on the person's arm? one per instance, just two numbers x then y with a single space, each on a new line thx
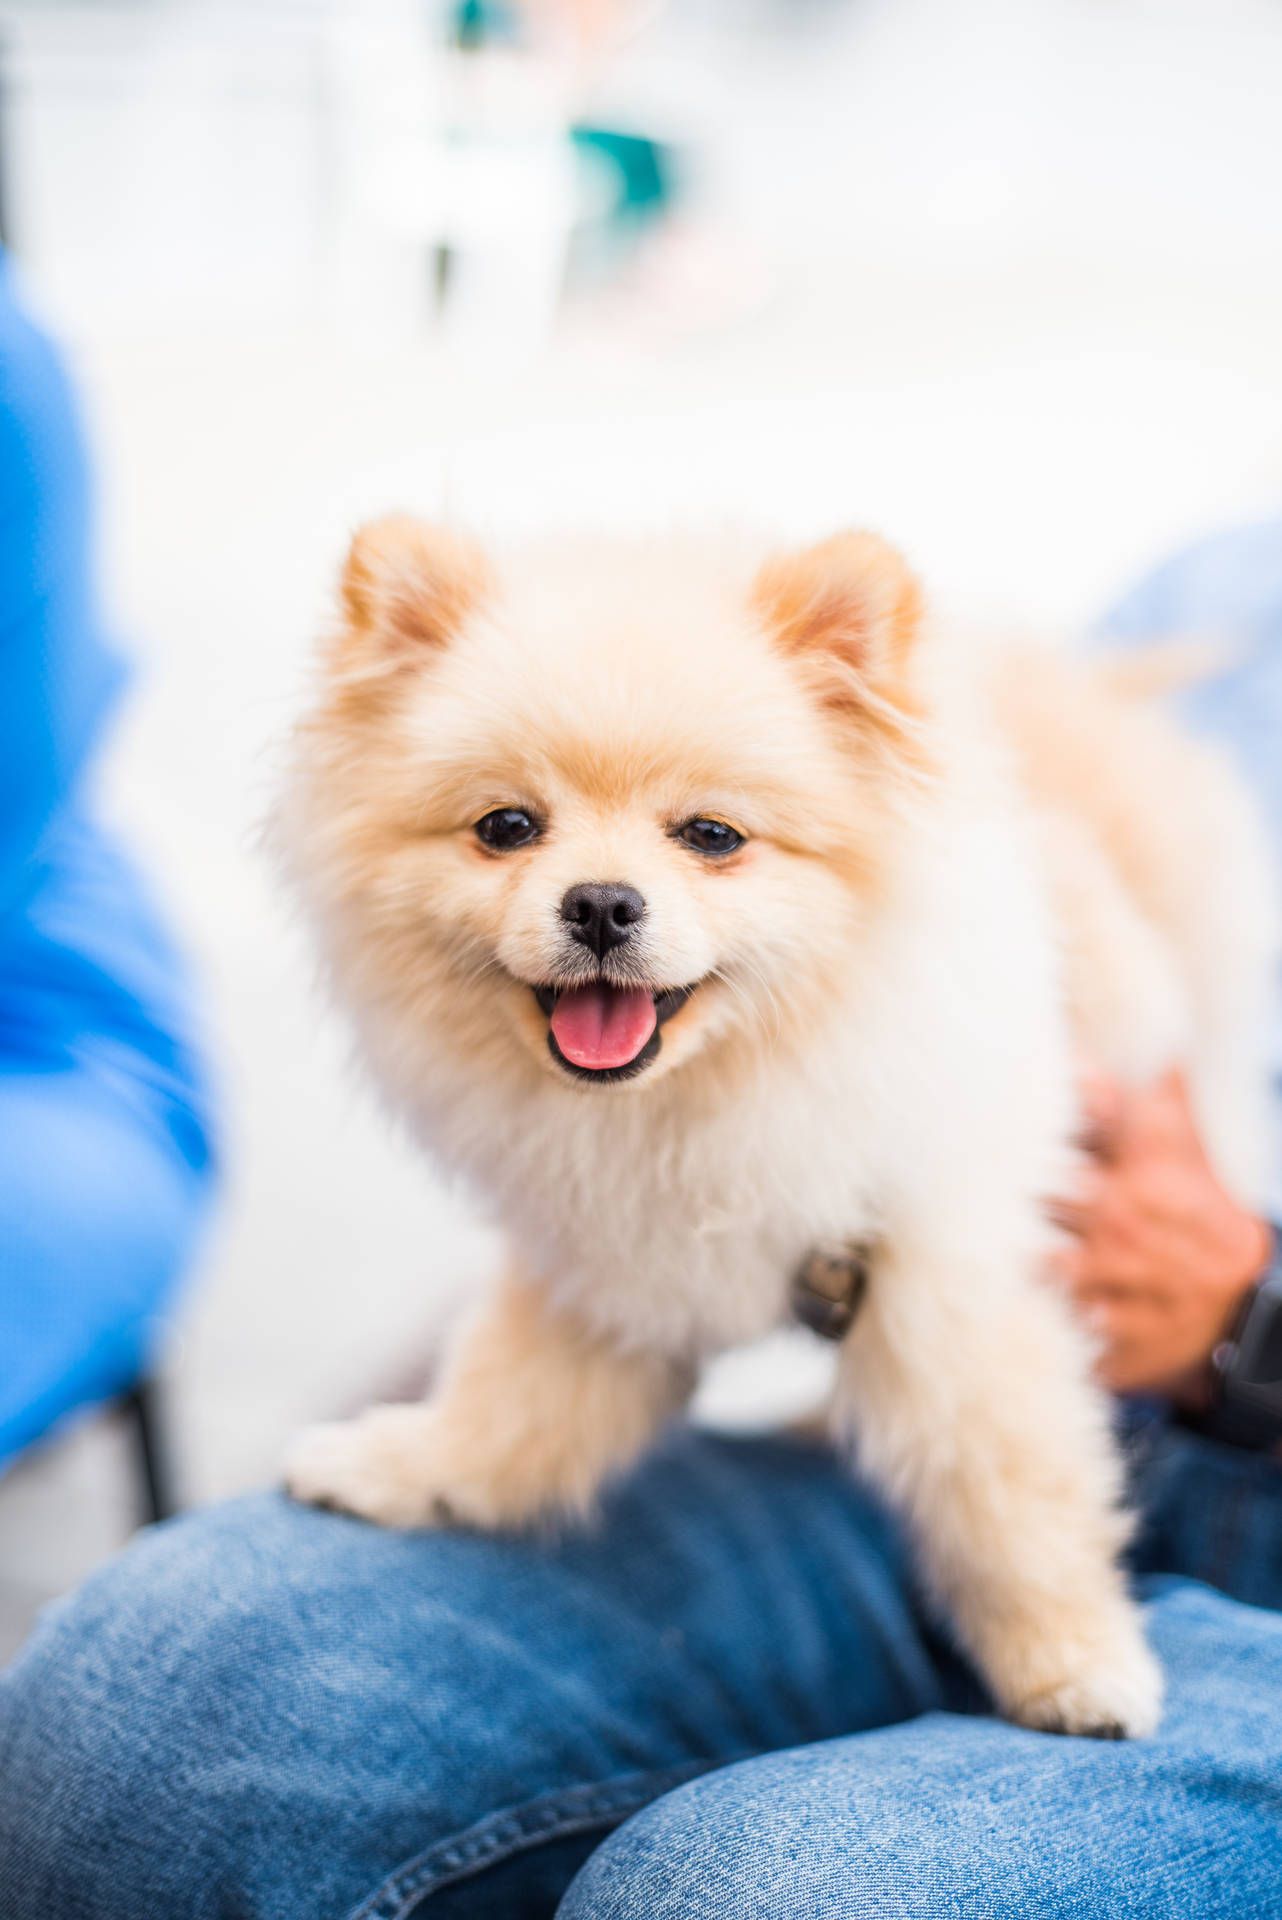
57 671
1158 1254
105 1133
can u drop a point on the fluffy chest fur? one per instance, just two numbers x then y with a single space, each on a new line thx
679 1231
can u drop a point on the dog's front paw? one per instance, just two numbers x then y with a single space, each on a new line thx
1109 1689
385 1466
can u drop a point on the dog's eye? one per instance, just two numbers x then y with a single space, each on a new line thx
710 836
506 828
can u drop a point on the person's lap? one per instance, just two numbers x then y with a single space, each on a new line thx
267 1711
275 1711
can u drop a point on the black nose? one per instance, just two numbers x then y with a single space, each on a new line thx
601 915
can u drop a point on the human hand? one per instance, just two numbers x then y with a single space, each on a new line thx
1158 1256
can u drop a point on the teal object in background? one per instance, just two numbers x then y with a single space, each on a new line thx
478 23
643 168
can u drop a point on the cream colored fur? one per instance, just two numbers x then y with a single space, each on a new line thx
959 867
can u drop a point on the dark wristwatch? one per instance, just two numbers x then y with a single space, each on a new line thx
1246 1408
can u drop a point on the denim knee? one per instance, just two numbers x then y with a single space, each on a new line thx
778 1837
967 1816
268 1711
127 1728
218 1720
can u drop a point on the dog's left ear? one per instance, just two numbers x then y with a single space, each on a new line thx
849 610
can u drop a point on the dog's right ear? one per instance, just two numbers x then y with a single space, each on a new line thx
847 608
407 587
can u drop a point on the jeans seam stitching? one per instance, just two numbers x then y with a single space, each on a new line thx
502 1834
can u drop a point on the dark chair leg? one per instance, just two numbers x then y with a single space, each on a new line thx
140 1406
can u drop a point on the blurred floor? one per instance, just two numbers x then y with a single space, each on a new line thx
1034 380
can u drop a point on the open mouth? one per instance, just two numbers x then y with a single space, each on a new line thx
604 1032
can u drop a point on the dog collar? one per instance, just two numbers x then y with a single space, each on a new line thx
828 1286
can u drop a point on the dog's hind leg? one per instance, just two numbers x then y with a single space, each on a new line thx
970 1405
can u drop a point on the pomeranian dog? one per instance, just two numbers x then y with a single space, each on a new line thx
700 910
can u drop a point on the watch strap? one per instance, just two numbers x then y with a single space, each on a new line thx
1247 1367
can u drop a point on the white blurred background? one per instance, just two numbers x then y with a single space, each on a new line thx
1001 277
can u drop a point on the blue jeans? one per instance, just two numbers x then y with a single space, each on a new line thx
725 1701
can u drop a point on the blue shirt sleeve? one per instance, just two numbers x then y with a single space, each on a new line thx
58 672
1228 588
105 1135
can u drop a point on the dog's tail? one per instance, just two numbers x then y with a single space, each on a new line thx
1164 667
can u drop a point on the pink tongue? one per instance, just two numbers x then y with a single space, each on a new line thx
603 1027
